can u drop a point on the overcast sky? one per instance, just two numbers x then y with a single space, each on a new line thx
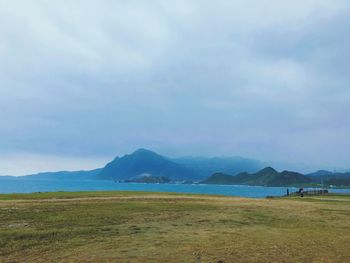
83 81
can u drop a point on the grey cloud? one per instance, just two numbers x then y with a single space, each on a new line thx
264 79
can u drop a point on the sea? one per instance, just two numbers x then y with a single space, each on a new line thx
17 185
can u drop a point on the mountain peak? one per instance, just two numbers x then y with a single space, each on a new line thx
268 170
144 161
144 151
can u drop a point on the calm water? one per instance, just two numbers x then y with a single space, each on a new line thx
29 186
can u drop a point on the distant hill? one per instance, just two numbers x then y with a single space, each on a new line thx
340 175
229 165
329 178
338 182
265 177
64 175
145 162
319 173
220 178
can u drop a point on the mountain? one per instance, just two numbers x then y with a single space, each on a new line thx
345 175
145 162
229 165
329 178
319 173
265 177
220 178
289 178
64 175
344 182
262 177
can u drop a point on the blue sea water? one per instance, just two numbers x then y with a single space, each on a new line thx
30 186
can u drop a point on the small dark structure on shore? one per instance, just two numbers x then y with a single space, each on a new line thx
303 193
309 192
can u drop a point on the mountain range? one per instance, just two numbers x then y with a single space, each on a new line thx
265 177
205 166
147 166
143 162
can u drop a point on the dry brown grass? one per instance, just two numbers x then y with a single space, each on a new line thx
134 227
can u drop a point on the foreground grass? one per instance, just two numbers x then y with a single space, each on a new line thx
154 227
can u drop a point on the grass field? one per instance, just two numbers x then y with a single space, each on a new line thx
155 227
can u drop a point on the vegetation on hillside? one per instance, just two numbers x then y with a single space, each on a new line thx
265 177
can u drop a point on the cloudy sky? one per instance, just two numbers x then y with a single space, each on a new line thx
82 81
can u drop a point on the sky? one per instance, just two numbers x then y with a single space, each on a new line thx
83 81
